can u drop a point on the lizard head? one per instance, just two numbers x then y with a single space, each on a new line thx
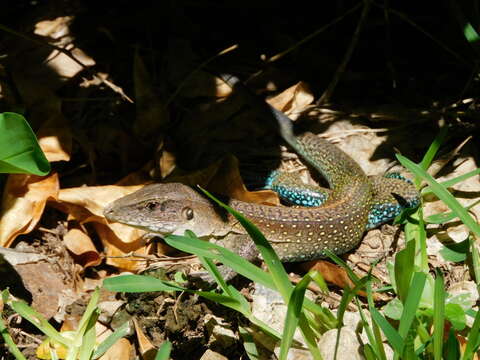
165 209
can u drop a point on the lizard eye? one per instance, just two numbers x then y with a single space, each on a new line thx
152 205
187 213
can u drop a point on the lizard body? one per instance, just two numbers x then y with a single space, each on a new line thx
296 233
353 204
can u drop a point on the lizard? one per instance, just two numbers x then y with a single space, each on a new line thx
333 219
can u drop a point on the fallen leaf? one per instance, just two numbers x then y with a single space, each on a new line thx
223 177
82 248
94 198
121 350
23 201
146 347
293 100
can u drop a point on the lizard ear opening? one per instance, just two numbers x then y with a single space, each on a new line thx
187 213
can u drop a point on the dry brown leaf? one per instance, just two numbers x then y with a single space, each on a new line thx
23 201
117 249
55 136
293 100
58 30
82 248
330 272
121 350
223 177
146 347
94 198
167 163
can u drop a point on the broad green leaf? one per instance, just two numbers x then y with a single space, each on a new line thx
19 149
456 315
393 309
470 34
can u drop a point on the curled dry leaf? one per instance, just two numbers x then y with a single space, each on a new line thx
85 204
119 248
82 248
23 202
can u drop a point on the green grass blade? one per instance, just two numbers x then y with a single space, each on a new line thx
376 344
276 269
89 338
274 265
443 194
39 321
433 148
236 262
141 283
7 338
19 149
446 216
411 303
404 262
309 337
475 260
213 270
428 190
391 334
369 353
452 347
164 352
293 313
225 256
87 314
438 315
473 337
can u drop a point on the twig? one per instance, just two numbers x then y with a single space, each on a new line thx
312 35
341 68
